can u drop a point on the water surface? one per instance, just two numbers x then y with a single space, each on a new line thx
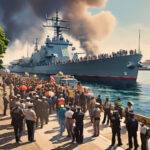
139 94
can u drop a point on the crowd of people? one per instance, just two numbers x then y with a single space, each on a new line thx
96 57
32 100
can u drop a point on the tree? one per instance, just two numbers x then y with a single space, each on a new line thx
3 45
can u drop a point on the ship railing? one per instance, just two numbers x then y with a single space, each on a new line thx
100 57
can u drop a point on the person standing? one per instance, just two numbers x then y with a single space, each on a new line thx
107 109
128 110
143 135
5 102
45 106
30 117
91 106
78 116
83 102
132 128
61 118
17 121
71 95
69 121
39 112
96 119
99 100
116 127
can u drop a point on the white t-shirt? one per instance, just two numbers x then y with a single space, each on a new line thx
30 114
69 114
143 129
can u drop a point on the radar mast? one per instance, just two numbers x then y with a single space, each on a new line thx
57 25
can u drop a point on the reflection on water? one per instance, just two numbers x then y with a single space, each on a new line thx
138 93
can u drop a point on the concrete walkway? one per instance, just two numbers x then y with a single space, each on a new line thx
49 138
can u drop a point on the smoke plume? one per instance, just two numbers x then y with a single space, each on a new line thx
23 19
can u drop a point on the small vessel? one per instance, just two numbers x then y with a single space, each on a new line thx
54 56
61 78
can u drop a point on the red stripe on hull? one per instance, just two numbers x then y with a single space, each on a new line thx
107 78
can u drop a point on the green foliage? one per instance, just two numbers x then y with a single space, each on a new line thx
3 45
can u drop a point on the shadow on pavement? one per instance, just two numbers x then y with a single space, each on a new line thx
56 128
10 146
6 126
6 137
2 117
66 146
51 131
112 147
58 139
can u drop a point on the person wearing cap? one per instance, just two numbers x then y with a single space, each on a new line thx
30 117
132 128
96 113
118 106
78 116
107 109
116 128
5 102
27 102
68 120
17 121
22 104
128 110
61 118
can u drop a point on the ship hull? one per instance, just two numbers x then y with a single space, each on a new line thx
103 70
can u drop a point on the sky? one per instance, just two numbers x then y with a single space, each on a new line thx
131 16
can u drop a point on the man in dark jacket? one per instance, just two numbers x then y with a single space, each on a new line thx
17 121
45 106
78 116
132 128
115 125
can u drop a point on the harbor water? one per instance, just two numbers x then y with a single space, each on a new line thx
138 94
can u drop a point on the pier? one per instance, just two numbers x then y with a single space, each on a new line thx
48 138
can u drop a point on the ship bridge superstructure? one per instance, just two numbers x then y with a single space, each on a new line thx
56 48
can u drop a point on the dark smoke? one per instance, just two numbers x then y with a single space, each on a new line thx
23 16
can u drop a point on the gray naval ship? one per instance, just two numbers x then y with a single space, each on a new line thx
59 54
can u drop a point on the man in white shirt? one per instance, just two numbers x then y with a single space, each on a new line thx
69 121
30 117
143 135
107 109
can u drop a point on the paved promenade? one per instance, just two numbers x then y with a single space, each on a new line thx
49 138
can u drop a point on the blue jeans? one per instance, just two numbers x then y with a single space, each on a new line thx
62 125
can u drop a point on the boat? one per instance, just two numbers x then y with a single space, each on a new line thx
54 56
61 78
